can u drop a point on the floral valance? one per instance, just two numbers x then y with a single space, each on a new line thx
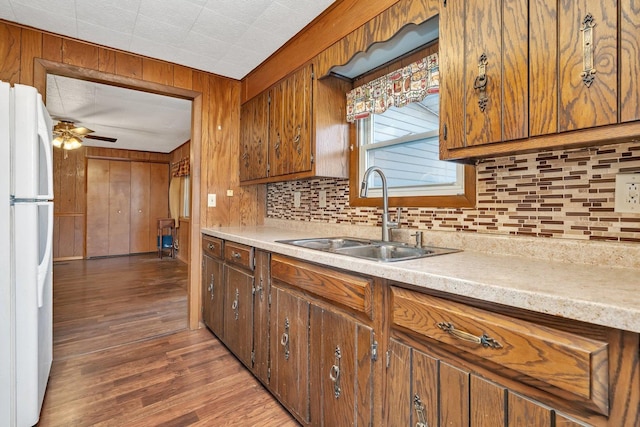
399 88
181 167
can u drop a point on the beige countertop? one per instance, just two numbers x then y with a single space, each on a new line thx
603 295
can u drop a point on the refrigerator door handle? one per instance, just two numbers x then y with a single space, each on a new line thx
45 265
45 139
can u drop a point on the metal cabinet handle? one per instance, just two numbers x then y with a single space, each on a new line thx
236 304
211 246
296 140
236 255
588 65
483 340
284 341
419 407
481 82
334 373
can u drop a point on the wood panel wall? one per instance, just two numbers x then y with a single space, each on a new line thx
26 55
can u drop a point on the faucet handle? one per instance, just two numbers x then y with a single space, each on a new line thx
396 223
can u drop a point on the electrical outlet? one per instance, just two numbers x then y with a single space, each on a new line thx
211 200
627 198
296 199
322 198
229 193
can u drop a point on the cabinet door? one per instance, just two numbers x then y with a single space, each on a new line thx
290 351
140 221
213 295
97 207
158 200
238 313
119 206
254 121
299 93
261 330
290 124
344 368
588 63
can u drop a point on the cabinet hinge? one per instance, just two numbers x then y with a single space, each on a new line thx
253 358
444 3
269 373
388 354
312 158
269 300
268 169
444 130
374 351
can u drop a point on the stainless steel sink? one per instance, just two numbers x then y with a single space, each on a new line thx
329 243
375 250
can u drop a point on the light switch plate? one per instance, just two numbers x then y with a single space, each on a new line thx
211 200
627 197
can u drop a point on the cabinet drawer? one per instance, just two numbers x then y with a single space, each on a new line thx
212 246
352 291
238 254
553 360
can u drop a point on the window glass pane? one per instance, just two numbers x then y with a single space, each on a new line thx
413 163
412 119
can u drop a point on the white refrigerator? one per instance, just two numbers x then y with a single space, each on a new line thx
26 230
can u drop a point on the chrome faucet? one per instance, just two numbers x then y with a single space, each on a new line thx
386 223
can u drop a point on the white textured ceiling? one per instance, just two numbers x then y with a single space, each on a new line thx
139 120
226 37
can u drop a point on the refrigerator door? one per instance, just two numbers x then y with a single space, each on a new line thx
32 171
33 306
7 383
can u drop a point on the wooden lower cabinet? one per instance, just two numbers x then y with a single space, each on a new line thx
342 369
238 313
312 335
425 390
290 351
212 293
261 318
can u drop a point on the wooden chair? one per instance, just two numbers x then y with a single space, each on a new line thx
166 236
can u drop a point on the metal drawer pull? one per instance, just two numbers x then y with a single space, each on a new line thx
334 373
419 407
483 340
236 255
284 341
211 246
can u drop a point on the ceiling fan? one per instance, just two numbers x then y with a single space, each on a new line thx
69 137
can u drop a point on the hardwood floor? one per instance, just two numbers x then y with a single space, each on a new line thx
123 354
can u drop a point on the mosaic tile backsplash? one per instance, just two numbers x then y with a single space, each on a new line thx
558 194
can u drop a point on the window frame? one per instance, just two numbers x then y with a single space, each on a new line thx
463 200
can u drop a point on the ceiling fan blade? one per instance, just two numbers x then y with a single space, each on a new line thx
101 138
82 131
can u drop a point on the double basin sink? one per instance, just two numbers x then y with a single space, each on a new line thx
375 250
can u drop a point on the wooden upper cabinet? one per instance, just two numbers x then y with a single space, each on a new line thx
587 49
296 129
290 124
254 119
522 76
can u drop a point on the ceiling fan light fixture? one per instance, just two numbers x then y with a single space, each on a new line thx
57 141
72 143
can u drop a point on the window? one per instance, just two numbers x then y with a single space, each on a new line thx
403 141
